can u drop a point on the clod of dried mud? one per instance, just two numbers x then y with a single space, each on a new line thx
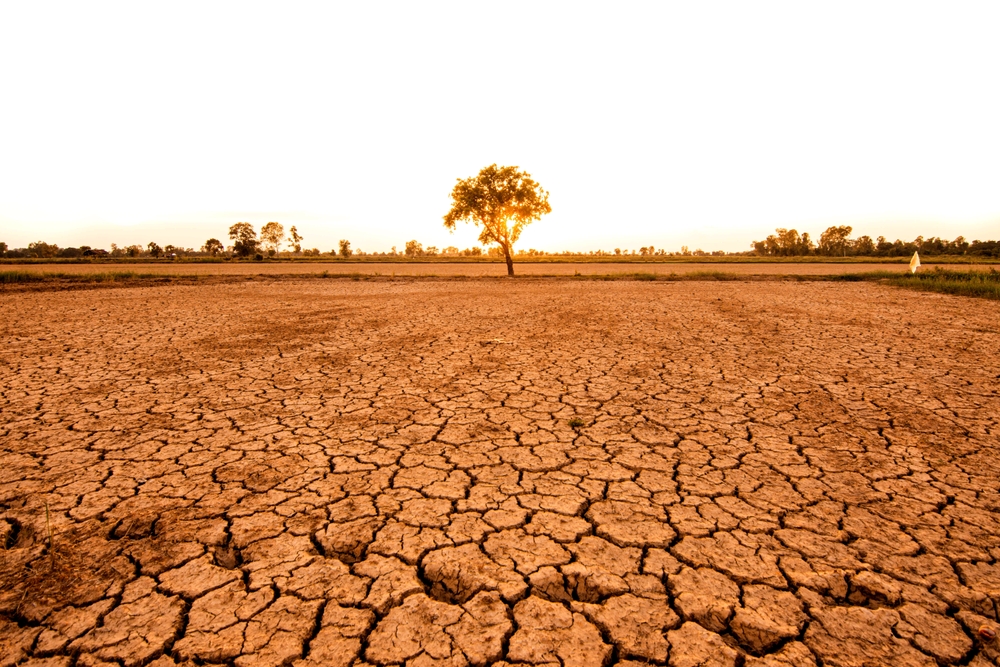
327 473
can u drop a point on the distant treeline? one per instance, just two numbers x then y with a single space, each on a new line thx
837 242
273 243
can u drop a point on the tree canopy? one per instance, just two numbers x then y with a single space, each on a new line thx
244 238
213 247
295 238
272 234
501 201
834 240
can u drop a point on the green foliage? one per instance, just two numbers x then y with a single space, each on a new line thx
501 201
576 422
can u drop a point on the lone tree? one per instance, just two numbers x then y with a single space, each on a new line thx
345 248
244 239
501 201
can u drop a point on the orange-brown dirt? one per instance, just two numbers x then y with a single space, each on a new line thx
538 472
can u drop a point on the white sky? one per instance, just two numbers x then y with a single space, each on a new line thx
706 124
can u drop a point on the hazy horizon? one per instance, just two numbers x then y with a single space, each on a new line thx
707 126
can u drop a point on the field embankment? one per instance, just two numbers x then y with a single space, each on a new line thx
975 282
475 269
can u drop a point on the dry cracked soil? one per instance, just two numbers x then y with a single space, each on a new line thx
535 472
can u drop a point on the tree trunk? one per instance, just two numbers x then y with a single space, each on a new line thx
510 261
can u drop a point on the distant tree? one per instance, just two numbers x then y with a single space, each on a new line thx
43 249
134 250
70 252
244 239
345 248
3 248
413 249
985 248
864 246
272 234
501 201
293 234
834 241
212 246
431 250
153 249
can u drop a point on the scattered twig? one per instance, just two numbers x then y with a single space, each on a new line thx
48 527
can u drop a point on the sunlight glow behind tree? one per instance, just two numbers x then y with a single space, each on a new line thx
502 201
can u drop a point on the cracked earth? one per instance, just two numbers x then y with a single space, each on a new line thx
534 472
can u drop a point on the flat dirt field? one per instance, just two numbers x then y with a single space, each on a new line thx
537 472
477 269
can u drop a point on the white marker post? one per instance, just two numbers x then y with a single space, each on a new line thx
915 263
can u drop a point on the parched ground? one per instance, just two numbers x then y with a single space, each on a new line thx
536 472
